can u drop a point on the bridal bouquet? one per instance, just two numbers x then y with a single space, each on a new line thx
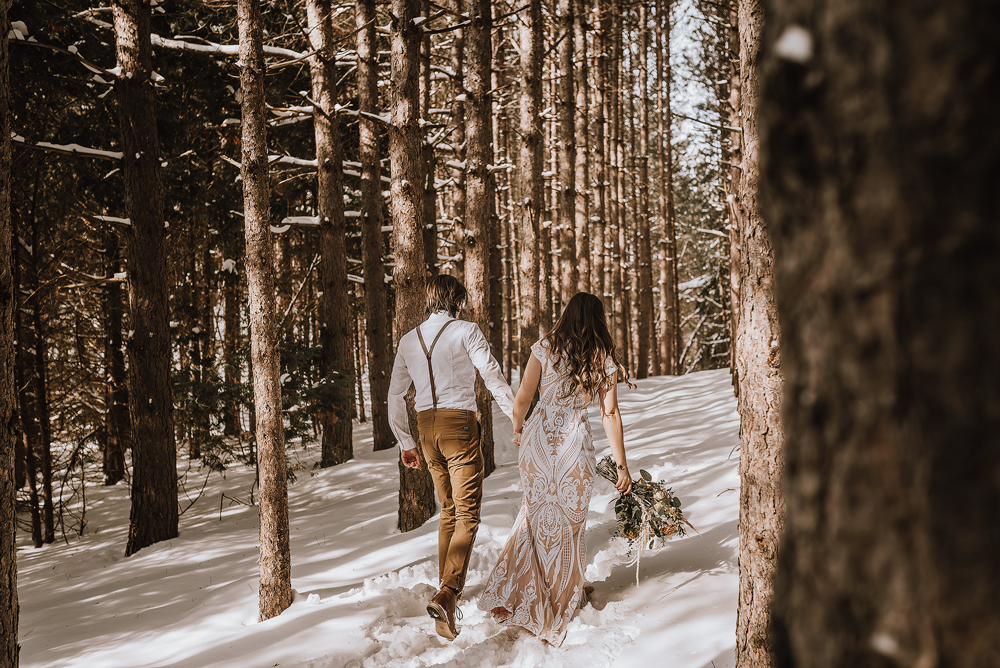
650 510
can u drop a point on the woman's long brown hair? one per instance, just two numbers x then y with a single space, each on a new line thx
582 339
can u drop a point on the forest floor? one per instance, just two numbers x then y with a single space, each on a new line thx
361 586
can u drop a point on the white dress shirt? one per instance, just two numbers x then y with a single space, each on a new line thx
461 350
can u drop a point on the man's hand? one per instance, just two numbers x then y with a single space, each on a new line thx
411 459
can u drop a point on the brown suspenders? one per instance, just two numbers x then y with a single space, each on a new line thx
427 353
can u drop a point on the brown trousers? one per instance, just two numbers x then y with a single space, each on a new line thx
450 441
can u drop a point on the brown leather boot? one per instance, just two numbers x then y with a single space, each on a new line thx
442 609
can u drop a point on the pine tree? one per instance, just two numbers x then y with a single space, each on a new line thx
275 592
154 477
416 490
9 648
888 307
377 324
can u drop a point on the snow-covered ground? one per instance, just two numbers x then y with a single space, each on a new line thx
361 586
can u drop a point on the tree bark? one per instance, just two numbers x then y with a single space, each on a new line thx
275 560
880 157
334 306
377 325
601 284
531 158
154 476
615 212
416 490
480 192
36 357
669 334
582 90
759 373
568 270
230 278
117 426
427 153
9 649
643 254
458 135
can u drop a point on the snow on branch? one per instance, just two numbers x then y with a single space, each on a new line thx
68 149
218 49
112 219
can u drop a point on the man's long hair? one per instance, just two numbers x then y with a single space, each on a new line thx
582 339
445 293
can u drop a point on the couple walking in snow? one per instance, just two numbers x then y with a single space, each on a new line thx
537 582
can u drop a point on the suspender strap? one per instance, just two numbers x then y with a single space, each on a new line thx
427 353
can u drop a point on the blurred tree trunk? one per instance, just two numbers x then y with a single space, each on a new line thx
231 343
480 194
531 158
729 18
334 306
882 116
275 592
117 424
154 475
35 349
759 372
377 323
416 490
22 371
9 649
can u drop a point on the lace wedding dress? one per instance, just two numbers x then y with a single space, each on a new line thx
538 581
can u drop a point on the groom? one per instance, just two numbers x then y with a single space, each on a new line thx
440 358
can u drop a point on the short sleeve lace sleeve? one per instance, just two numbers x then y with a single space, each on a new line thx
610 367
540 350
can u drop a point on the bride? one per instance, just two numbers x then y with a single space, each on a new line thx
538 581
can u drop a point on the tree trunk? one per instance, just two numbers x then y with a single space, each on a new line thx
416 490
154 475
888 306
458 136
643 254
759 374
22 371
480 191
377 325
669 334
582 90
117 425
9 649
615 149
334 307
427 153
37 357
601 288
568 270
731 165
275 560
230 278
531 158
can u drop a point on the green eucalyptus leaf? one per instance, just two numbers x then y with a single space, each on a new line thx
645 475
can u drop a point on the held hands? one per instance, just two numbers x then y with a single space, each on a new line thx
411 459
624 484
